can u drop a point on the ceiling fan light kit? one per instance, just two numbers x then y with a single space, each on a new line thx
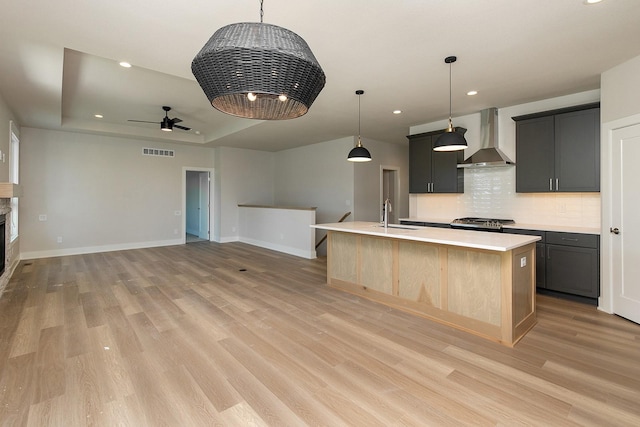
258 71
450 140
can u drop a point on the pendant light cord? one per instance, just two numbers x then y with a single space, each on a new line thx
261 11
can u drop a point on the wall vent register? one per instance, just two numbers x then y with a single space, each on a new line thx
158 152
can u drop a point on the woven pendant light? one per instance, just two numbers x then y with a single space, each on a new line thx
450 140
258 71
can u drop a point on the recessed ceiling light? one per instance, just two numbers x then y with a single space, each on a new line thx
125 64
397 111
592 1
98 116
472 92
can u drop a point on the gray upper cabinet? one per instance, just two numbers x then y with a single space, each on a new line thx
434 171
558 150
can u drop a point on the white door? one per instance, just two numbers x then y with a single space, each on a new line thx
204 205
624 229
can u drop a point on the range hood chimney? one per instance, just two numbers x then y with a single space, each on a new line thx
489 155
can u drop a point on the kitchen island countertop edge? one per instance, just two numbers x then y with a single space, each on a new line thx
464 238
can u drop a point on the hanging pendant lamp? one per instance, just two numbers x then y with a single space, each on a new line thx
359 153
258 71
450 140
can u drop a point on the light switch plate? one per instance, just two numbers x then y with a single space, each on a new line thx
523 261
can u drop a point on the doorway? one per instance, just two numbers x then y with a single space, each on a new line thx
390 189
197 205
621 232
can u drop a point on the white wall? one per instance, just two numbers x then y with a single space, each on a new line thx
491 192
99 192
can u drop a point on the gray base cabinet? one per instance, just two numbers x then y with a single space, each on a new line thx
558 150
567 262
434 171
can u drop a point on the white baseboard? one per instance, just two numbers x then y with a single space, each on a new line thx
96 249
280 248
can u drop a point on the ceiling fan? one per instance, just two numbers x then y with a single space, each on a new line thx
166 124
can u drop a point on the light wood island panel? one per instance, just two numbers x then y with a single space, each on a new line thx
485 292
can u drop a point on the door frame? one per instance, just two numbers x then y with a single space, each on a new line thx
605 302
211 171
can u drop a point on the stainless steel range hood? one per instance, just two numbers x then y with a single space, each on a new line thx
489 155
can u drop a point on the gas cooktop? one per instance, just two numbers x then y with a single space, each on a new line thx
481 224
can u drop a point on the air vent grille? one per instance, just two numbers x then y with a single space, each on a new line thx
158 152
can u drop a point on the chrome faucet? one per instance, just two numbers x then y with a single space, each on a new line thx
386 208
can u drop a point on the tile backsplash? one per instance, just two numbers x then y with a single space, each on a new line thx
490 192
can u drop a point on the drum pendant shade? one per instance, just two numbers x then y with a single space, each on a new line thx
359 153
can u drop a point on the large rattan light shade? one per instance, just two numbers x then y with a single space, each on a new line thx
258 71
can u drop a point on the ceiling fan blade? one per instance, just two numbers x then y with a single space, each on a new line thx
142 121
181 127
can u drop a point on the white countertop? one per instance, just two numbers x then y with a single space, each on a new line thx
445 236
539 227
560 228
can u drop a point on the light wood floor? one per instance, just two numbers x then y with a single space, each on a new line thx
184 336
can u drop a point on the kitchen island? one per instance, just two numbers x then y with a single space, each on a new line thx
479 282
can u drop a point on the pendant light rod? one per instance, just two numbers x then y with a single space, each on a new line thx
261 10
359 92
449 60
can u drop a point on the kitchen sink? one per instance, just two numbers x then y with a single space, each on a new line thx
401 227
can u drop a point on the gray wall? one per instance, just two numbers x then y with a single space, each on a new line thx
316 175
99 192
620 91
319 175
367 184
242 177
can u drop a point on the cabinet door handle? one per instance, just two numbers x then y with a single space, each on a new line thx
548 253
550 184
556 184
570 240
